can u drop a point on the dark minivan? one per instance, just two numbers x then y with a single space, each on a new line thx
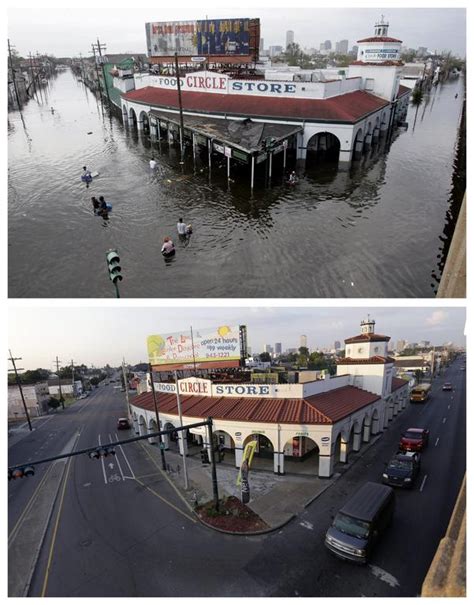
358 525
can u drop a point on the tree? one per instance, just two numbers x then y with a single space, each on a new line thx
53 403
94 381
265 356
418 376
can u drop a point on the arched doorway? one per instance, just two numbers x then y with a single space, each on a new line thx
145 122
132 116
142 425
171 440
358 145
152 428
375 423
225 445
264 450
323 147
301 455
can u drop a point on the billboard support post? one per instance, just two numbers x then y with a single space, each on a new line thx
181 122
213 464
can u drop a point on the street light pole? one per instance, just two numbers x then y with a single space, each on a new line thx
61 398
185 470
213 465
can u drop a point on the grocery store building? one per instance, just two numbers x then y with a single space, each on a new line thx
317 423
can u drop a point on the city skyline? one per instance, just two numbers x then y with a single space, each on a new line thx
106 335
68 32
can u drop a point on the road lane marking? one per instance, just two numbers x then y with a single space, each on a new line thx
126 459
165 501
103 465
383 575
307 524
53 542
449 406
28 507
437 440
444 420
117 459
423 483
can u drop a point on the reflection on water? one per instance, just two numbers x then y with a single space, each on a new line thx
373 231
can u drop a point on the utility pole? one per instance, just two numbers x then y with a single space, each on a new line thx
82 66
72 370
13 73
99 47
213 464
97 71
15 369
61 398
160 440
125 384
32 71
181 123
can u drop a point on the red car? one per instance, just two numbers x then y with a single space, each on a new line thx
414 440
123 423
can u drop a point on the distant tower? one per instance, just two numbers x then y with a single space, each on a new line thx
381 28
303 341
278 348
290 38
367 326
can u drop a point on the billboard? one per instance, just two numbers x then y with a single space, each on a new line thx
212 348
212 37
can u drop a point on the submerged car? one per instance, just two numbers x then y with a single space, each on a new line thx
414 440
402 470
123 423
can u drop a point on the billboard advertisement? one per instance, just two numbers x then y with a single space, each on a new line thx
217 347
212 37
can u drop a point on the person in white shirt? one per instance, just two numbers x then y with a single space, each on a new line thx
152 164
181 227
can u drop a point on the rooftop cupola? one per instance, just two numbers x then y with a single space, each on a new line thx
381 28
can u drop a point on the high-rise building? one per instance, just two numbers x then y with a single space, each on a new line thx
290 38
337 345
268 348
278 348
342 47
274 51
327 44
303 341
262 46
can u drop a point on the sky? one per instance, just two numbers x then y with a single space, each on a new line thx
68 31
105 334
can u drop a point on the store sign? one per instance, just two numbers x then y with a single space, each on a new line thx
381 54
246 390
195 386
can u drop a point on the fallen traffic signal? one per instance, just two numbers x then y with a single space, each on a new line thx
113 264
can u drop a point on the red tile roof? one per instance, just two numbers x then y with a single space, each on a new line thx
398 383
350 107
370 337
365 361
325 408
379 39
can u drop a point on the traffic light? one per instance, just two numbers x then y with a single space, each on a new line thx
102 452
113 264
204 456
18 473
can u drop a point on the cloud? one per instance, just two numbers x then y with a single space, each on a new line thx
437 318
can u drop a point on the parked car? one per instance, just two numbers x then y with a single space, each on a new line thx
447 386
360 522
463 368
414 440
402 470
83 396
123 423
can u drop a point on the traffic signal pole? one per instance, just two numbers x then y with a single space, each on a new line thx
160 440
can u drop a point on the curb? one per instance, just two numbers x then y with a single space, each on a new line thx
246 533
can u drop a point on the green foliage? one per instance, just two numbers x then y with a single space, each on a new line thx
54 403
265 356
417 95
30 376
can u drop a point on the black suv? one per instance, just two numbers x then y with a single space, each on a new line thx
402 470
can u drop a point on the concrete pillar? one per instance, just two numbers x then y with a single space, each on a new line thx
345 159
357 441
300 147
358 149
142 427
239 454
166 441
375 427
367 141
366 433
384 126
344 451
390 413
252 174
139 124
385 418
326 464
279 463
375 135
135 426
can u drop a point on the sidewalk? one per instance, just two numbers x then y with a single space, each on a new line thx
275 498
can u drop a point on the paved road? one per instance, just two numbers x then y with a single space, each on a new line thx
123 531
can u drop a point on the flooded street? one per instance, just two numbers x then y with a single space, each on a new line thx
375 231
